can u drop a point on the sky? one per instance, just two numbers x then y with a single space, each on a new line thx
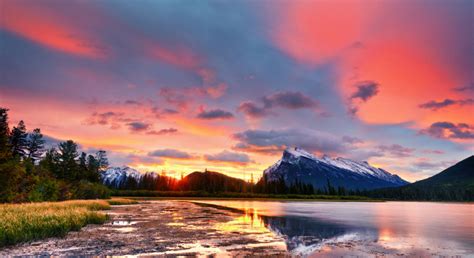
180 86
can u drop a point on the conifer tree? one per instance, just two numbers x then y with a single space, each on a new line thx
67 160
102 161
50 162
83 161
93 169
5 148
35 145
18 140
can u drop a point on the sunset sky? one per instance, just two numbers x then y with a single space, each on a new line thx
227 85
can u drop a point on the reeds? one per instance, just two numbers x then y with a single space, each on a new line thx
121 201
31 221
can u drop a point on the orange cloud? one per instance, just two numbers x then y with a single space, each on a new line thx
313 31
405 74
409 52
38 22
197 127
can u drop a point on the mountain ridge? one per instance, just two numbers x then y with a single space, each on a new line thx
298 165
455 183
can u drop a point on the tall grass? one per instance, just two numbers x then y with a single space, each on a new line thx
25 222
121 201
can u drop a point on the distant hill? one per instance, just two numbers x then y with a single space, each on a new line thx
209 181
455 183
299 166
212 182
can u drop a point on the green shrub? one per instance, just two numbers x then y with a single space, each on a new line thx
88 190
46 189
13 182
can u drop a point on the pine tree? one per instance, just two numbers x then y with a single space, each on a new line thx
18 140
82 172
83 161
331 189
35 145
50 162
67 160
5 148
102 161
93 169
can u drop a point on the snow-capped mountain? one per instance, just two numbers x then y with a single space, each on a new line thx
117 176
302 166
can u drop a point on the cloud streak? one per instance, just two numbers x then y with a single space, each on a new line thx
448 130
291 100
228 156
365 91
215 114
166 131
466 88
114 119
40 23
275 141
436 105
396 150
138 126
170 153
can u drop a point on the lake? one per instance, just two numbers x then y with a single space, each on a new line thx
393 228
269 228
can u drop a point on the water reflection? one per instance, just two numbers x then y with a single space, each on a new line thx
420 229
303 234
249 221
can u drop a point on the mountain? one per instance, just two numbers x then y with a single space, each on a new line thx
455 183
461 174
212 182
129 178
117 177
298 165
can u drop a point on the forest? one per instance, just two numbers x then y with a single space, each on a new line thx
30 172
214 182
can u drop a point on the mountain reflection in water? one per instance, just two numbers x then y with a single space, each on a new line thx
302 232
381 228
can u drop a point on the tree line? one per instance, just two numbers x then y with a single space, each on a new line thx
214 182
31 172
435 192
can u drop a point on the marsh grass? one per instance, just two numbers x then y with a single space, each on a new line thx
31 221
121 201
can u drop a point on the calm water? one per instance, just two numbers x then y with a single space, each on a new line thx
393 228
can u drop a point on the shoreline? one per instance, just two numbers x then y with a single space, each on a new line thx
260 199
281 199
161 228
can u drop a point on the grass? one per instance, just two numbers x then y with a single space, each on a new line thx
121 201
32 221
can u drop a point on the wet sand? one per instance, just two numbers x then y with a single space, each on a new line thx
162 228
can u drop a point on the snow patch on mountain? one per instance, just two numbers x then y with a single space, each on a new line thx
337 167
117 176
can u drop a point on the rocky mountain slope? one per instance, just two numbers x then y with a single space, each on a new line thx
298 165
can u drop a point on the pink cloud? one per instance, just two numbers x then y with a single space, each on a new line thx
39 22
